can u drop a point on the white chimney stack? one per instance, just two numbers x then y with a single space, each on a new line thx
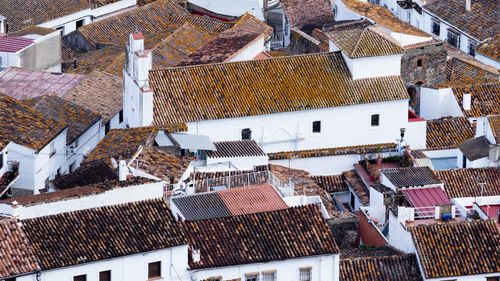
196 255
122 170
466 103
468 5
2 24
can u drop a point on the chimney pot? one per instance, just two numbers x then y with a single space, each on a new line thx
468 5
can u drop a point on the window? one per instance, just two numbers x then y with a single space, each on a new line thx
375 120
252 277
353 200
436 28
79 23
305 274
419 62
72 167
107 127
120 116
105 275
246 134
58 173
317 127
154 269
472 49
454 39
80 278
495 278
1 160
269 275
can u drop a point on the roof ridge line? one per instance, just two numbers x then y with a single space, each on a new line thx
357 42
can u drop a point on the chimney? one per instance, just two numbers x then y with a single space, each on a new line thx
468 5
196 255
466 102
3 24
122 170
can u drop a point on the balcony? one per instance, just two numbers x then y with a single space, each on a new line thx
9 177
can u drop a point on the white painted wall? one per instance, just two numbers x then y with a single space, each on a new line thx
10 59
242 163
370 67
399 237
340 126
114 124
126 268
487 60
5 154
343 13
118 195
250 51
324 267
416 134
86 143
437 103
36 166
376 198
326 165
233 8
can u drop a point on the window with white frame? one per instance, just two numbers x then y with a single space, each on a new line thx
453 39
306 273
252 276
436 27
269 275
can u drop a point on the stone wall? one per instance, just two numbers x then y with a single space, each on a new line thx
345 231
424 65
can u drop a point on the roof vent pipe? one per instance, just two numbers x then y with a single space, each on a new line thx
468 5
466 103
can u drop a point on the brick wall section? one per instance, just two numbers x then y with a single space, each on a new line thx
369 233
433 67
301 45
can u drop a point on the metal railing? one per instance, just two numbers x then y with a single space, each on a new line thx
235 180
425 212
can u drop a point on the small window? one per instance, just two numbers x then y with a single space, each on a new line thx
72 167
472 49
79 23
269 276
154 269
494 278
105 275
252 277
120 116
107 127
419 62
454 39
353 200
246 134
1 160
305 274
375 120
80 278
436 28
317 127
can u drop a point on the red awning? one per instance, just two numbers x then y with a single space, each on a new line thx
426 197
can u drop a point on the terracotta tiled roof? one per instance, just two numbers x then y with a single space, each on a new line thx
485 99
357 184
32 29
323 39
252 24
242 148
461 71
262 237
99 92
458 248
34 12
475 148
303 13
227 44
418 154
254 199
331 183
382 16
321 152
215 88
359 39
102 233
91 172
26 126
368 252
481 22
22 83
394 267
411 176
448 132
77 118
305 185
466 182
490 48
122 143
162 16
85 188
16 256
161 164
494 121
